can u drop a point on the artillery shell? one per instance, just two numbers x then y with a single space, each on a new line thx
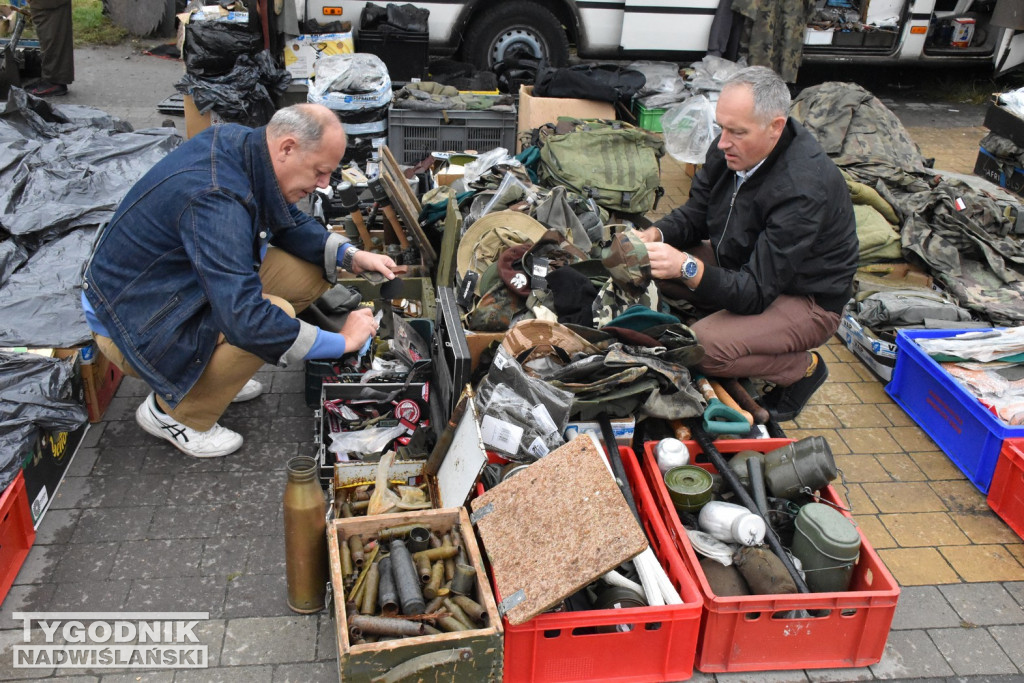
384 626
440 553
387 596
423 567
355 545
391 533
347 569
458 613
451 624
419 539
472 608
407 581
369 603
464 581
436 577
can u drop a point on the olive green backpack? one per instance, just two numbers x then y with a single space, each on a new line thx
612 162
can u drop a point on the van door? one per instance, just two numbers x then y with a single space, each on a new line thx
1011 51
667 25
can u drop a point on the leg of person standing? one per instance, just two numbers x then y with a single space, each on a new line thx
52 19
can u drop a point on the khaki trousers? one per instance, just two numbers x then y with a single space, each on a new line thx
289 283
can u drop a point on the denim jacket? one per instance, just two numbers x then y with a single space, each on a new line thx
178 263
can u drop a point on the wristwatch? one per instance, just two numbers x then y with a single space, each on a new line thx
688 270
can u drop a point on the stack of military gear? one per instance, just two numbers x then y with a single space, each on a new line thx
357 87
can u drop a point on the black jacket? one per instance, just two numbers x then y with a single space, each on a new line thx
790 228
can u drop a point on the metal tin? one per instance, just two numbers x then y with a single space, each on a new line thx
689 487
828 545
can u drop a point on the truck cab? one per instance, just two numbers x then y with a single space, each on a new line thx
484 32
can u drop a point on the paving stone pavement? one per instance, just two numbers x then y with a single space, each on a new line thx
138 526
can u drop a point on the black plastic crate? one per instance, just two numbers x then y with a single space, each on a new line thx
404 54
413 135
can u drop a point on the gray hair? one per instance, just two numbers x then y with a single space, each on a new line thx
771 94
303 121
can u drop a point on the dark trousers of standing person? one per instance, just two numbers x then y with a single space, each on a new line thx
52 19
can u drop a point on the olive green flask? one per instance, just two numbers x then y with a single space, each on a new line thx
305 537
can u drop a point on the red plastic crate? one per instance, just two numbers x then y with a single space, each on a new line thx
16 532
1006 494
559 647
752 632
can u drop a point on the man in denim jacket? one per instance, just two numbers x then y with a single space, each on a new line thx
195 282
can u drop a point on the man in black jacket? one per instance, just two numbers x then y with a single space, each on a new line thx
766 247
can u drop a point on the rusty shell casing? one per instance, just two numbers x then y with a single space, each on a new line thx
391 533
451 624
436 578
441 553
385 626
472 608
369 604
433 605
305 537
430 630
435 540
458 613
355 545
407 581
346 510
449 569
419 539
387 596
359 506
423 567
347 569
464 581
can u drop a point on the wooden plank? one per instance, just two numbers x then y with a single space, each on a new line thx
411 219
365 661
555 527
395 170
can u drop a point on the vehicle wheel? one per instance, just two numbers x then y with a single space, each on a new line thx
515 30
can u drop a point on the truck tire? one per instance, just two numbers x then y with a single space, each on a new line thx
515 30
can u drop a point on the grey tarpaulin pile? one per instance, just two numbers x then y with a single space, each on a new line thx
969 248
35 393
63 171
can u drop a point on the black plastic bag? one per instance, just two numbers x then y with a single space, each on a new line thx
604 82
241 95
212 47
35 394
407 17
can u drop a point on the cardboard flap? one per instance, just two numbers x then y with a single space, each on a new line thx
554 527
465 461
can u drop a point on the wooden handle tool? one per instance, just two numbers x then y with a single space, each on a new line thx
741 396
725 398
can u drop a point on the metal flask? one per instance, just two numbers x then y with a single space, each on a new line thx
305 537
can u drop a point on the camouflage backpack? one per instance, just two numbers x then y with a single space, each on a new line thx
612 162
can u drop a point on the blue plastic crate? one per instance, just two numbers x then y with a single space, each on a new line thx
968 432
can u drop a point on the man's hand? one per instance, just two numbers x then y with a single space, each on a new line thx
650 235
665 260
368 260
359 326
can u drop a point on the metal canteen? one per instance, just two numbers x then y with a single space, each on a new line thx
731 523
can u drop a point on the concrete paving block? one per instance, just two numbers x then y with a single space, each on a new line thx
326 639
226 674
1011 639
224 556
8 639
984 604
180 594
180 521
840 675
910 654
288 383
122 433
303 673
39 564
972 652
211 633
269 640
131 490
75 678
85 562
762 677
1016 589
75 493
163 558
113 524
89 596
207 488
261 406
923 607
81 464
140 677
257 595
264 457
266 553
57 526
25 598
92 435
163 458
118 460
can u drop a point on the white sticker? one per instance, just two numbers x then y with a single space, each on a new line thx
500 360
538 447
540 270
543 417
500 434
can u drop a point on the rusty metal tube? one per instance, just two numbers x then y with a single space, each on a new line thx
458 613
472 608
387 597
464 581
407 581
347 570
355 545
451 624
419 539
369 603
423 567
430 591
433 605
384 626
441 553
391 533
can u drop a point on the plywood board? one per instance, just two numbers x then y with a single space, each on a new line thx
404 200
555 527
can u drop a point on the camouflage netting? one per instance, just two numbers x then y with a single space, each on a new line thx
971 252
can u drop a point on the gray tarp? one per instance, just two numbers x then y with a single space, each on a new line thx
63 171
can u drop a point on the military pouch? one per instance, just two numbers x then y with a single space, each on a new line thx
907 307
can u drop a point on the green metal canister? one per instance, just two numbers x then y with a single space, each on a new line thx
828 545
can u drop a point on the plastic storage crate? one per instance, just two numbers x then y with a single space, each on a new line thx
754 632
659 646
968 432
648 119
413 135
1006 494
404 54
16 532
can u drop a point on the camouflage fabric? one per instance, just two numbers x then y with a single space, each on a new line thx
430 96
1003 149
611 302
969 252
776 33
601 385
539 338
628 263
680 342
555 213
495 310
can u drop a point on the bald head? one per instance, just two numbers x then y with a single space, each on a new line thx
306 143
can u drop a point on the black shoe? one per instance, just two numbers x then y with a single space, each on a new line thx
785 403
45 89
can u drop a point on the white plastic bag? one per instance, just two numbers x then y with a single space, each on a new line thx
689 128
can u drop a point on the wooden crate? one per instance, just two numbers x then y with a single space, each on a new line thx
469 656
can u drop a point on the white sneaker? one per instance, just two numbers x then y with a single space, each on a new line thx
213 443
251 390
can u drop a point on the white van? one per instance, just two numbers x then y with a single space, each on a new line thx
488 31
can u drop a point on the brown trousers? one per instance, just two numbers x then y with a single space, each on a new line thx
289 283
52 19
771 345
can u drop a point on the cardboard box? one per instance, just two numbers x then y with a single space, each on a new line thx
1002 121
622 427
302 52
1003 175
100 379
536 111
195 122
878 354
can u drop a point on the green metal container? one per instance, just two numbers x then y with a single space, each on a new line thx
828 545
689 487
